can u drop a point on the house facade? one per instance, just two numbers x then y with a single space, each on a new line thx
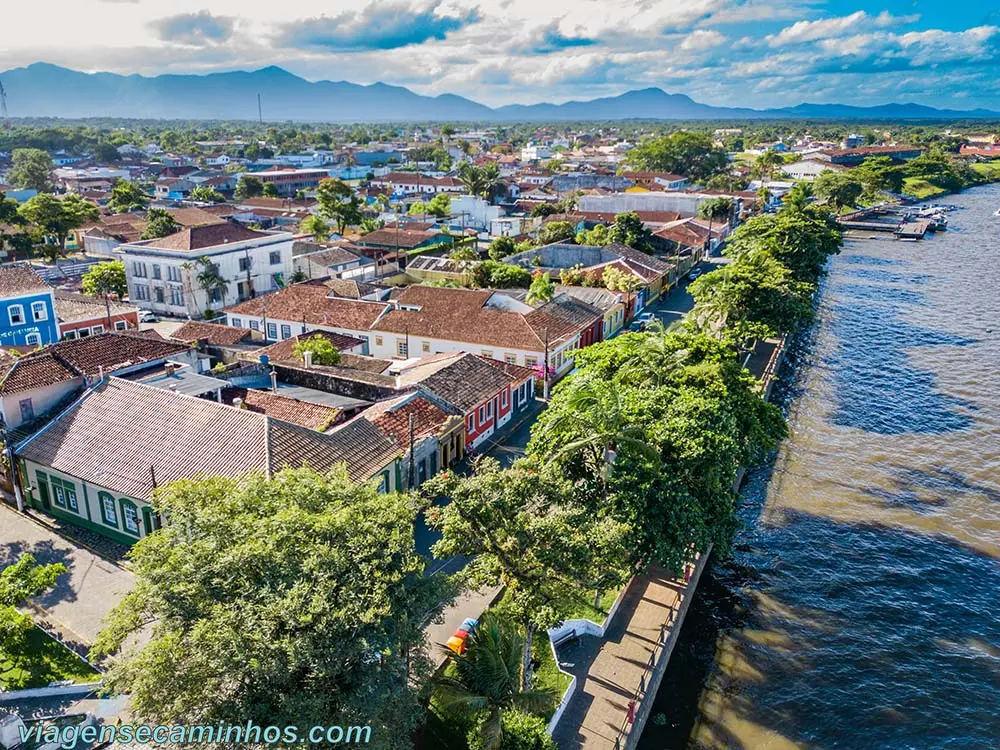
166 275
80 316
27 308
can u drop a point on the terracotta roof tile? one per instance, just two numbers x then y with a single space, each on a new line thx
302 413
358 443
205 236
17 279
310 303
114 350
464 381
392 417
75 307
216 334
285 350
35 371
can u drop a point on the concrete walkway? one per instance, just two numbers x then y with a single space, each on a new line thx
610 670
82 598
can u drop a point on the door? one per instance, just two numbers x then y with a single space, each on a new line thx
43 492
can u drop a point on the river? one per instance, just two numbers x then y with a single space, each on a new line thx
860 607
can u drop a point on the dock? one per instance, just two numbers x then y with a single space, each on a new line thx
900 222
913 230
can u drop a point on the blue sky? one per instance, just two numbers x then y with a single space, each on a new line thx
757 53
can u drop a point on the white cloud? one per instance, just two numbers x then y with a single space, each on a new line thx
702 39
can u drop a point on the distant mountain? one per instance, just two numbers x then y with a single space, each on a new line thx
43 90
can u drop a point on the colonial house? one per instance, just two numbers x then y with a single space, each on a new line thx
163 274
486 393
431 437
80 316
657 180
33 385
27 307
408 183
151 436
290 181
399 240
318 261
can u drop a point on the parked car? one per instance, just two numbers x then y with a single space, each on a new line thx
646 318
636 326
695 273
147 316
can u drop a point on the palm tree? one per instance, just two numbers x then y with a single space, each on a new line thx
595 415
657 358
472 178
542 289
210 280
712 209
487 680
798 197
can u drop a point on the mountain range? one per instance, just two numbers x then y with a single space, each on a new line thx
44 90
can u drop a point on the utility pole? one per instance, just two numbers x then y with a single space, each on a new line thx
260 111
545 365
412 472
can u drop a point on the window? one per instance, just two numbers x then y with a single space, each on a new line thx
272 331
158 293
39 311
486 353
216 295
108 511
69 335
482 415
83 332
138 269
176 296
275 257
236 322
130 517
156 271
71 503
489 410
425 346
378 341
402 348
531 361
510 359
503 399
33 339
471 424
121 325
173 273
27 410
244 264
97 329
16 313
383 485
58 495
254 325
141 291
286 331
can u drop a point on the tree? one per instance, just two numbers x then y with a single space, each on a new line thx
323 351
59 217
270 190
212 281
315 226
686 153
520 529
521 731
556 231
439 206
463 252
839 189
714 209
10 218
879 174
338 203
31 169
599 235
127 196
541 290
106 153
19 581
501 247
417 208
277 601
628 229
248 186
207 194
491 274
484 182
159 223
447 131
801 240
105 279
485 681
766 165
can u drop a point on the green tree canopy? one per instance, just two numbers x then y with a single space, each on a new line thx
439 205
323 351
599 235
628 229
491 274
315 226
277 601
19 581
338 203
270 190
159 223
31 169
556 231
541 290
501 247
686 153
249 186
57 216
127 196
839 189
104 279
206 194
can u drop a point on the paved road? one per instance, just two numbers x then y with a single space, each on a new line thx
82 597
679 303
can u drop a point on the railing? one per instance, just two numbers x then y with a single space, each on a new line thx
771 369
640 693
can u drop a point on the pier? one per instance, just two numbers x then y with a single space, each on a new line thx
901 222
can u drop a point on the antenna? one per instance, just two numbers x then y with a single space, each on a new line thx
260 112
4 117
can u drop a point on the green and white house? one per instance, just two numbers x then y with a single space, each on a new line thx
99 461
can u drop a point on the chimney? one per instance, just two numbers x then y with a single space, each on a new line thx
100 373
274 381
308 357
238 403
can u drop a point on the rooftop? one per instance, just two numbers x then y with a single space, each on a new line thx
206 236
18 279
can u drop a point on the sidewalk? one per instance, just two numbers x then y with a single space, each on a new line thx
610 670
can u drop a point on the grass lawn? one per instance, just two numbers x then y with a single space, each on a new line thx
547 671
41 661
922 189
990 170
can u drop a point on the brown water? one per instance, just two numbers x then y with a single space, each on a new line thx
861 605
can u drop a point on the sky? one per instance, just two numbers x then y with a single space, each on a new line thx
755 53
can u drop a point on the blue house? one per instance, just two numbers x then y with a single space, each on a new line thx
27 307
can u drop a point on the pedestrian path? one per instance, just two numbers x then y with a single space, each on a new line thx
613 673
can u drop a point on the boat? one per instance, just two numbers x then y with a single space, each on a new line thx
997 212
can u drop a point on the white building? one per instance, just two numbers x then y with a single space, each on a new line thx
535 151
470 211
163 274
